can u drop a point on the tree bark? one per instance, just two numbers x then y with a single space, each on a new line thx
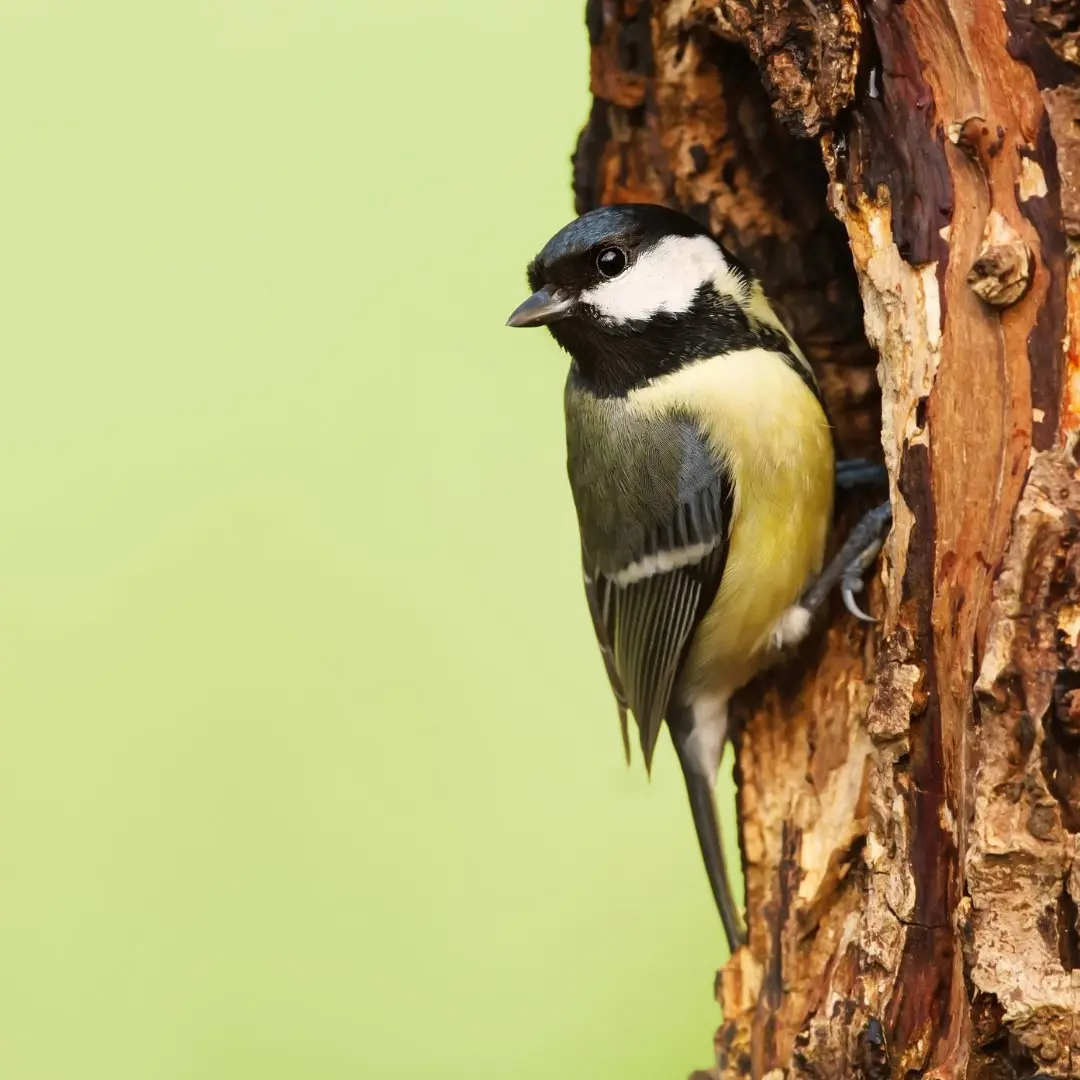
904 178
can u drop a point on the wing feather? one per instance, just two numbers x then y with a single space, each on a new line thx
654 505
645 625
658 654
598 594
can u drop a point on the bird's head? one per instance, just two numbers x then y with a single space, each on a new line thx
634 291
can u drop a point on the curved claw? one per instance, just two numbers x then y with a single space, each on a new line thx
848 588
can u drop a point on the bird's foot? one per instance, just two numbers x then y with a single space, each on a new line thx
851 562
860 472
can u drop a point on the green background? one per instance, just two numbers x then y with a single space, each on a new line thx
308 767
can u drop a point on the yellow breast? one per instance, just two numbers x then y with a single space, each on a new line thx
768 427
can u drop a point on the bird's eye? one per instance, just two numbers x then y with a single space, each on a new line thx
611 262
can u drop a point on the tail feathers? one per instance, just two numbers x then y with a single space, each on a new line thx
703 809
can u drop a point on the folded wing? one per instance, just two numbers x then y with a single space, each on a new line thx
646 610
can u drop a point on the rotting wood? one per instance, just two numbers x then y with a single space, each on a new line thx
904 177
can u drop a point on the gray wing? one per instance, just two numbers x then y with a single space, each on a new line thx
646 611
598 595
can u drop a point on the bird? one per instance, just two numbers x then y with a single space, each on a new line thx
703 472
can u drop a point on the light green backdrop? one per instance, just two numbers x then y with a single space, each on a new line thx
308 767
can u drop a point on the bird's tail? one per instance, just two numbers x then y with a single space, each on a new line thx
699 788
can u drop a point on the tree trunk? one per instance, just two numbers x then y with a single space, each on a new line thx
903 176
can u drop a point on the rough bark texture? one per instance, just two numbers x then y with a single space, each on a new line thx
904 177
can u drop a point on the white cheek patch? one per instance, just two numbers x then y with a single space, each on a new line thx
667 277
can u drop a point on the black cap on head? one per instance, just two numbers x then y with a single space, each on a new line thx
568 257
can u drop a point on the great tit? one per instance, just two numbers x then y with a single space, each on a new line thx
703 473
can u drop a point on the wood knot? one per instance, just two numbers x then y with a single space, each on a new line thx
975 138
1001 273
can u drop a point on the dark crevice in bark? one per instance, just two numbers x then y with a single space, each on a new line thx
1061 749
893 140
925 972
1045 342
1068 933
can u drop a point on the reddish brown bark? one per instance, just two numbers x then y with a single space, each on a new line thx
904 178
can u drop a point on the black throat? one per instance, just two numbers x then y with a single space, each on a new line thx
611 360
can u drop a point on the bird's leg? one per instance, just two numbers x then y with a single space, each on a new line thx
860 472
851 562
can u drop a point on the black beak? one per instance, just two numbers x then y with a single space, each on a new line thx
545 306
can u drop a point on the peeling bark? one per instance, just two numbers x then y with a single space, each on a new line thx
904 177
